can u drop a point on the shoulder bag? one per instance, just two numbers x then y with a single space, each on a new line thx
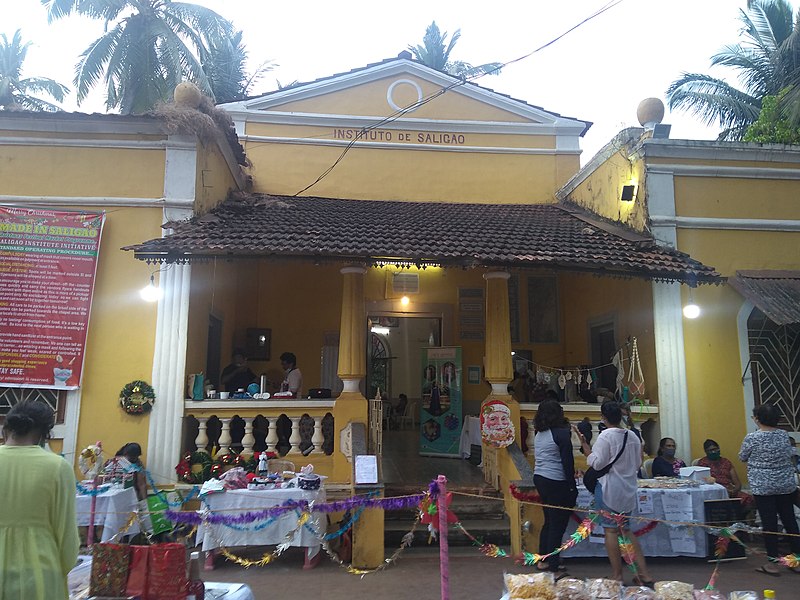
592 475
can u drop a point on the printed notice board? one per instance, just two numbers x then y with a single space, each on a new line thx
442 389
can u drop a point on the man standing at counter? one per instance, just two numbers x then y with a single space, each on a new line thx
293 381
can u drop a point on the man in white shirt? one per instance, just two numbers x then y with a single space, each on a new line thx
293 381
616 491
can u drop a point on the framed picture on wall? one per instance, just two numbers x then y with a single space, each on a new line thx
258 342
473 374
543 318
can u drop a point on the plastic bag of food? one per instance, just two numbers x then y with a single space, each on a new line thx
639 593
708 595
530 586
743 596
571 589
603 588
675 590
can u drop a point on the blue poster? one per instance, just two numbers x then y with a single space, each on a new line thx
440 414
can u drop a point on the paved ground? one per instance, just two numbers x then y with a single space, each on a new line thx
472 576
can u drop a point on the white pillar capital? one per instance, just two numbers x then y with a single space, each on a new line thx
497 275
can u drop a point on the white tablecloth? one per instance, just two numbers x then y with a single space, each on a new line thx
112 511
470 434
214 536
685 505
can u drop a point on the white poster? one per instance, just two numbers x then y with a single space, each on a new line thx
645 500
678 505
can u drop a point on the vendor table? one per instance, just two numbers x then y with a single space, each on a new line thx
681 505
470 435
236 502
112 511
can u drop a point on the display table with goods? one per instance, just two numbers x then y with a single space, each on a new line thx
669 499
113 509
283 528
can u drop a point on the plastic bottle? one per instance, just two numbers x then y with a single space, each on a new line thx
196 589
769 595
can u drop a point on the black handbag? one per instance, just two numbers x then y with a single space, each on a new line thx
592 475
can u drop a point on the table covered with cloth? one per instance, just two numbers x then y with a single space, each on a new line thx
112 511
233 503
677 505
470 435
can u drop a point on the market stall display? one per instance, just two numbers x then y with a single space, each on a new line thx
112 510
668 500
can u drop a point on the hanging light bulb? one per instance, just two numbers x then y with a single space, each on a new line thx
151 292
691 310
404 300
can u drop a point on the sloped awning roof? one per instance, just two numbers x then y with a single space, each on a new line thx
775 293
557 236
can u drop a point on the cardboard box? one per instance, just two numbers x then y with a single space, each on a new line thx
695 473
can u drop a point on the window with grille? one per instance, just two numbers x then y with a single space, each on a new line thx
775 364
56 399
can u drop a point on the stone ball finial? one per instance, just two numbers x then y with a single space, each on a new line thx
187 94
650 112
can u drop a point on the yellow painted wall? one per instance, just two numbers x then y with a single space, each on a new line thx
600 192
400 174
370 99
734 198
121 336
65 171
214 179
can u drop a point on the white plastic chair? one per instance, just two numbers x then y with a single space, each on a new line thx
648 468
407 416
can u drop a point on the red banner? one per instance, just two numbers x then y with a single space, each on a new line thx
48 260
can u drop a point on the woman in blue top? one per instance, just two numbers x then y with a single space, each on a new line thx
770 471
554 476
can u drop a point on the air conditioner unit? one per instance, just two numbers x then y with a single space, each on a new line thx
400 283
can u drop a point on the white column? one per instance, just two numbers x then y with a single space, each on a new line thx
531 435
169 370
225 437
201 441
295 439
673 395
317 439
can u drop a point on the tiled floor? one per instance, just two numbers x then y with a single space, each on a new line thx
404 467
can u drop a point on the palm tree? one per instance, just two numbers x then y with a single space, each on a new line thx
766 64
224 65
16 92
149 46
435 53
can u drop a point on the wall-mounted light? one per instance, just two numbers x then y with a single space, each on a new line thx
151 292
691 310
628 193
404 300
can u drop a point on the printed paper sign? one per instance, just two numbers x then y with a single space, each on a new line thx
47 268
645 500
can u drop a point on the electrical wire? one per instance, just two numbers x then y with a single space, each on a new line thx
400 112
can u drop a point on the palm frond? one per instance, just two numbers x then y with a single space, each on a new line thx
92 61
46 85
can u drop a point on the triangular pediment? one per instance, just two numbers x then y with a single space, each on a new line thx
386 90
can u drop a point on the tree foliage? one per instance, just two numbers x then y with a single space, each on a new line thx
148 47
18 93
766 61
224 63
435 52
773 126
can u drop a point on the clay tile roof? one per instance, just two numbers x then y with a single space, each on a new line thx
775 293
558 236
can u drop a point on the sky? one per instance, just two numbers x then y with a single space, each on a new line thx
599 72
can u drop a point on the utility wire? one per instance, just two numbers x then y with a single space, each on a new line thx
399 113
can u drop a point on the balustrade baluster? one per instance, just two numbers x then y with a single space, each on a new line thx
295 438
225 437
317 439
272 434
201 441
248 440
531 435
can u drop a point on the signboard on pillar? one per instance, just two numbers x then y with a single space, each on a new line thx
442 389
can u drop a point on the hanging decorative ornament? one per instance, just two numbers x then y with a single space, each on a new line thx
546 377
580 378
562 381
635 374
90 460
588 377
569 375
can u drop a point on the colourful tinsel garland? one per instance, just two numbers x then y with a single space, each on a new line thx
137 397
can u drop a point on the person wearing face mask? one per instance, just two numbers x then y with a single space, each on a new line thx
38 532
724 473
665 464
